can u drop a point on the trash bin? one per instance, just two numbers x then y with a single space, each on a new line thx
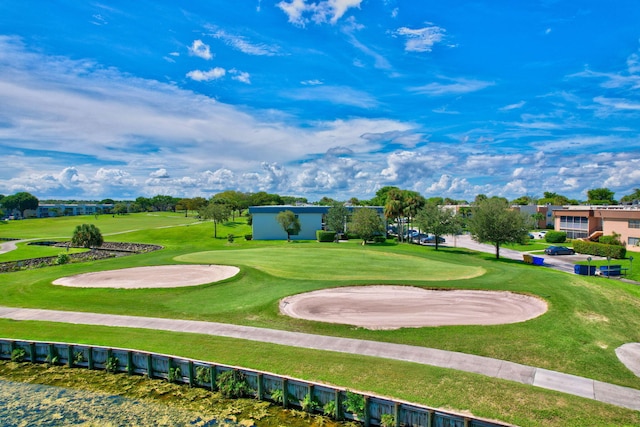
585 270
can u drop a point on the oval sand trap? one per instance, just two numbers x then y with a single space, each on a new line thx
393 307
161 276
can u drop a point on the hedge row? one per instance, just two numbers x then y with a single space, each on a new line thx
555 237
599 249
325 236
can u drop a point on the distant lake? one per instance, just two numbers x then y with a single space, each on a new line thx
24 404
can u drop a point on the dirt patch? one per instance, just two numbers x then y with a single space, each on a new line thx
161 276
393 307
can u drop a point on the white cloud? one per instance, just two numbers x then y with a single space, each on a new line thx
205 76
421 39
160 173
240 43
300 12
452 86
200 49
515 106
240 76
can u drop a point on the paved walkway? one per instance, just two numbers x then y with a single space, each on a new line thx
571 384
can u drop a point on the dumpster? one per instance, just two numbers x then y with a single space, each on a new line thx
585 270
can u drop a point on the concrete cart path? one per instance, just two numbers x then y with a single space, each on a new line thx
617 395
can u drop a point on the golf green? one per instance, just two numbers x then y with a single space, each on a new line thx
345 264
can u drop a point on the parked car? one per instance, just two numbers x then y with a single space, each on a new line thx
559 250
431 239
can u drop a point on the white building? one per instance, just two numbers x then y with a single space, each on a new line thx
312 218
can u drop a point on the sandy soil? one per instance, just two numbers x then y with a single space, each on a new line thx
392 307
163 276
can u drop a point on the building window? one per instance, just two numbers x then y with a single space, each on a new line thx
634 223
634 241
576 227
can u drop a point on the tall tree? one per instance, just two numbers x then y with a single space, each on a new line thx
629 198
493 222
217 212
20 201
412 202
289 223
336 218
600 196
393 210
87 236
438 221
366 223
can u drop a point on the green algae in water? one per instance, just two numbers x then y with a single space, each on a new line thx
41 405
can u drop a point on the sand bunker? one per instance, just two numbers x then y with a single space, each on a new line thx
392 307
162 276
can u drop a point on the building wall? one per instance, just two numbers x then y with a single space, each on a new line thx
266 227
621 220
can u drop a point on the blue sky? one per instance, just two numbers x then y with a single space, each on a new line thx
337 98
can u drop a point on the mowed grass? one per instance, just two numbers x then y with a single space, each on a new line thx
588 317
331 262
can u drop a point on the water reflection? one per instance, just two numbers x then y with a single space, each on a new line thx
40 405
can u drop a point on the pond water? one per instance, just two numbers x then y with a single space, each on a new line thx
24 404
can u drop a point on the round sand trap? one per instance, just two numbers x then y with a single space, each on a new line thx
393 307
161 276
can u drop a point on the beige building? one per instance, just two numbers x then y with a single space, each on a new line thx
591 222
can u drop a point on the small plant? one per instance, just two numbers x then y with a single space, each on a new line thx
203 374
277 396
354 403
53 358
232 384
174 375
78 357
111 365
230 238
330 409
248 236
18 355
62 259
309 403
387 420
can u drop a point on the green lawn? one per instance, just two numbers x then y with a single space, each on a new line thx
588 317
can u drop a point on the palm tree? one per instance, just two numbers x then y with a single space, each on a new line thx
393 210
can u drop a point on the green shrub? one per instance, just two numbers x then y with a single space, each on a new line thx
62 259
277 396
387 420
599 249
379 239
354 403
111 365
248 236
18 355
174 375
613 239
330 409
325 236
309 403
555 237
203 374
232 384
230 238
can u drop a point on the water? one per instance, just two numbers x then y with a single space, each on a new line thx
24 404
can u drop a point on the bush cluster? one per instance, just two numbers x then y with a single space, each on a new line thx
325 236
599 249
555 237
